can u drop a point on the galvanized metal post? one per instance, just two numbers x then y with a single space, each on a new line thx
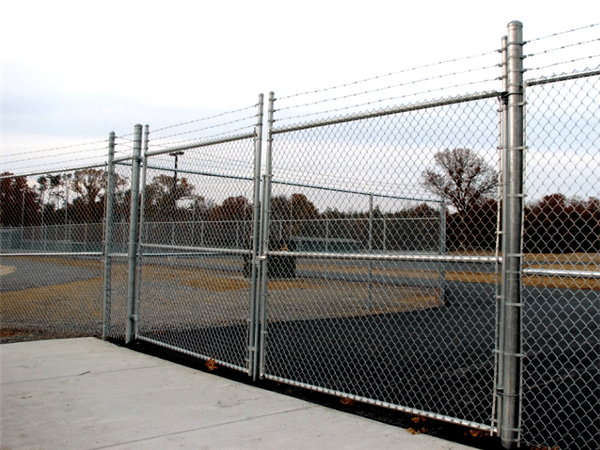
504 174
255 274
141 228
510 420
133 235
264 242
108 229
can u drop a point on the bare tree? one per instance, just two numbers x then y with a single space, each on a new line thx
464 179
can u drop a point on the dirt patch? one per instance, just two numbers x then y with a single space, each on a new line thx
5 270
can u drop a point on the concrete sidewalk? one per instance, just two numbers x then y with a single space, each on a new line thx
90 394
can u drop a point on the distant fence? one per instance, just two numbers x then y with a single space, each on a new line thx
439 257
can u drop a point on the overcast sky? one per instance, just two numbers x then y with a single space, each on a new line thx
72 71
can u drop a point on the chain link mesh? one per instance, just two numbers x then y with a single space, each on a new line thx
380 267
355 312
51 242
116 259
561 331
196 244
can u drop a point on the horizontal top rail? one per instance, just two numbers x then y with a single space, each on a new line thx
388 111
124 158
207 143
572 76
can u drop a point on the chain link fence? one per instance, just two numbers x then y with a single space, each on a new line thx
51 243
440 257
561 327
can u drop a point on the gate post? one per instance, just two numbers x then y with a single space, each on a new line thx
108 228
133 234
142 196
255 274
512 260
264 238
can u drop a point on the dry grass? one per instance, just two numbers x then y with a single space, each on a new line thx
479 277
79 303
74 308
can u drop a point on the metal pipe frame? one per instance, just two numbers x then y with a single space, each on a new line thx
225 251
503 225
194 172
199 144
190 353
133 236
350 191
108 236
253 335
573 76
21 254
408 410
388 111
264 238
141 227
388 257
511 352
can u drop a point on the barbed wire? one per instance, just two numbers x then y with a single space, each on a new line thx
562 32
28 152
413 82
203 129
565 62
387 75
49 167
204 118
122 138
562 48
385 100
52 155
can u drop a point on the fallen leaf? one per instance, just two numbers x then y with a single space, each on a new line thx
211 365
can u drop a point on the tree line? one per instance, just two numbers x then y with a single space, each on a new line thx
554 224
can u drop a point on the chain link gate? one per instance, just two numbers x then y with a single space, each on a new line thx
373 312
195 272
